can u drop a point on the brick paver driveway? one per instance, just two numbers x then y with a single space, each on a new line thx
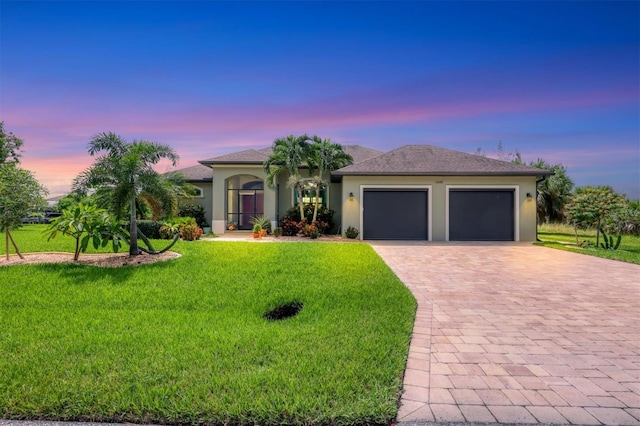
514 333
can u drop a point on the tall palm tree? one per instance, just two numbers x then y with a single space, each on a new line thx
288 155
325 156
553 192
122 172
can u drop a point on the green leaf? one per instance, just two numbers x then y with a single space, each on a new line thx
84 243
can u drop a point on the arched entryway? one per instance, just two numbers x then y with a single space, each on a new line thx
245 199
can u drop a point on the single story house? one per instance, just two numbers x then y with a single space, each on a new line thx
415 192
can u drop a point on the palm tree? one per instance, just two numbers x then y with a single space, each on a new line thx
288 155
325 156
553 192
122 173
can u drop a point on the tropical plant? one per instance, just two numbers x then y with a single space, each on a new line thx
20 194
122 173
311 231
195 211
591 206
351 233
553 192
289 154
290 227
87 223
608 243
324 156
324 220
262 221
625 220
185 227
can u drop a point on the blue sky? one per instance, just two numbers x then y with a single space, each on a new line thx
555 80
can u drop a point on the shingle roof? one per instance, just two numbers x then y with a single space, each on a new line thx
248 156
196 173
432 160
360 153
257 156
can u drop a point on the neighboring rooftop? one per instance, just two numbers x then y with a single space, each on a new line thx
432 160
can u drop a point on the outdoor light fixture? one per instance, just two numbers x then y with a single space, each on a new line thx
529 196
351 196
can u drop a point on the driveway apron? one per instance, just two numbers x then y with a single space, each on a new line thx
515 333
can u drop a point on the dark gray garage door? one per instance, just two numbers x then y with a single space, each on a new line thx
395 214
481 215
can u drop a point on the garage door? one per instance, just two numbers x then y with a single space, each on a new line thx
481 215
395 214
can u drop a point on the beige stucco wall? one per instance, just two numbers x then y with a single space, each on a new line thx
219 196
525 208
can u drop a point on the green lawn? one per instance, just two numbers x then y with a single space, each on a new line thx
563 237
185 341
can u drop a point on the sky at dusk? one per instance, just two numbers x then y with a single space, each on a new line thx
553 80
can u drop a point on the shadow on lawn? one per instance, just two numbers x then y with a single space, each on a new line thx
83 274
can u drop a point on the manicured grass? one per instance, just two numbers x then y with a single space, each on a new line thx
33 237
184 341
563 237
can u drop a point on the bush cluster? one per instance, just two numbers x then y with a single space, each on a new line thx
292 224
150 228
185 226
195 211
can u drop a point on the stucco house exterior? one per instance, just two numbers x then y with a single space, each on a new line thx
201 177
415 192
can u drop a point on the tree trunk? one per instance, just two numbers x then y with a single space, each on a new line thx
300 203
575 229
133 228
76 254
14 246
315 207
598 235
6 238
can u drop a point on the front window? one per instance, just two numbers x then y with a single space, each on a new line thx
309 196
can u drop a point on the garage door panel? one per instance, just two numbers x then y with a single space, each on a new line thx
481 215
395 215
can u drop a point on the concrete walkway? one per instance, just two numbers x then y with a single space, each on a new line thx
515 333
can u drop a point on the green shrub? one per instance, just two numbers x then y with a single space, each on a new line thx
190 231
289 226
261 221
150 228
186 226
311 231
324 221
195 211
351 233
277 232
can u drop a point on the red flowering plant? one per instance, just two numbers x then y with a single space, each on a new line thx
186 226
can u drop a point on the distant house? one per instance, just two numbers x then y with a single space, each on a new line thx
415 192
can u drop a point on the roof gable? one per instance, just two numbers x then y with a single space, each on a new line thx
432 160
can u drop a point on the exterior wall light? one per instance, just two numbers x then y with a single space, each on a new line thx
351 196
529 196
